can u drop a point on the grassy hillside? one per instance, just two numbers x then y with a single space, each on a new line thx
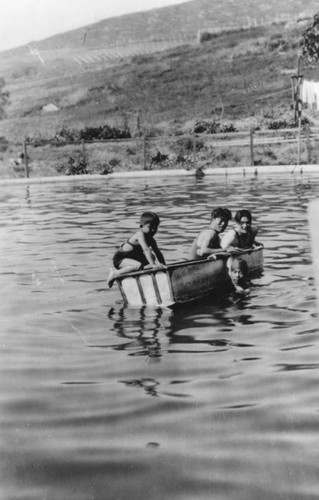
240 75
183 20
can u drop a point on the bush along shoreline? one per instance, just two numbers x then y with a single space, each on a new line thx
107 149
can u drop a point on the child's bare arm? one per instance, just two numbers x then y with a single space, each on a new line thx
204 242
229 241
158 253
254 232
142 242
255 242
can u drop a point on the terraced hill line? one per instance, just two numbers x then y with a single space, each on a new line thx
121 52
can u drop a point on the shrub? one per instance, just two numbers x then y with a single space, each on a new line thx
206 36
4 98
76 165
181 158
158 158
212 128
277 42
226 158
4 144
279 124
104 132
103 169
114 162
68 135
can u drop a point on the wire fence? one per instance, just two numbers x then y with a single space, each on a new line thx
190 151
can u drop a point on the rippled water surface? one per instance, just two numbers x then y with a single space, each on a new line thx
217 400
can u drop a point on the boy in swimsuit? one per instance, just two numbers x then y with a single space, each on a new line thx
140 250
207 243
243 235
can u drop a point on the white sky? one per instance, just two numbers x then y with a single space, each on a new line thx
24 21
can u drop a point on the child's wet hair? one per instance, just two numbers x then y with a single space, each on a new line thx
222 213
238 264
243 213
149 218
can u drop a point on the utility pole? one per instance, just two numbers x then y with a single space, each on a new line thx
296 81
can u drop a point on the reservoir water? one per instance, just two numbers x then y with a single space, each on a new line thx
215 400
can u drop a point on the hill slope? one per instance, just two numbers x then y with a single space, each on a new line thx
182 20
237 74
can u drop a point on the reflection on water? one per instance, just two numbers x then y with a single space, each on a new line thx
217 399
141 328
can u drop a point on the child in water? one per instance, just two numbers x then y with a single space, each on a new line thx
139 250
238 273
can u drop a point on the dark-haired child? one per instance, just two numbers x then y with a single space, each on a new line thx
243 235
207 243
140 249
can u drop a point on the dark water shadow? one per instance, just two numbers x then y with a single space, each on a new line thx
151 331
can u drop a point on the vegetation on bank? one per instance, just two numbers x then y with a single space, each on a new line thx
66 155
232 81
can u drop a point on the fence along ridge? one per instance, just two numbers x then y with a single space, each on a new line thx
230 135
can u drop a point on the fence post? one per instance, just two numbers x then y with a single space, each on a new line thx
194 148
144 152
299 134
83 150
251 133
308 144
25 152
138 123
